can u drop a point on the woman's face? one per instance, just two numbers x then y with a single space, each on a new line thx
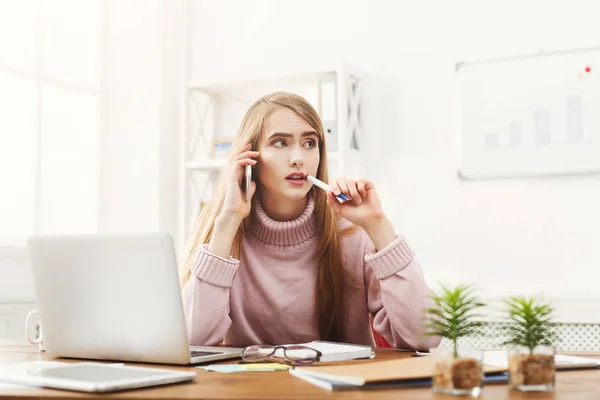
289 150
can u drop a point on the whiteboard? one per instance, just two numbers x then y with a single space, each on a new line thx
529 115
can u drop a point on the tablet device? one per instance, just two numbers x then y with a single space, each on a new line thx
90 377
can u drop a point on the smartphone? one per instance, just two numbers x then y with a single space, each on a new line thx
248 176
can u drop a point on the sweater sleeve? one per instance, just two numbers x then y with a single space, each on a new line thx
206 298
397 295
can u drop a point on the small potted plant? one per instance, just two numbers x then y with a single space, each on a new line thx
456 371
531 336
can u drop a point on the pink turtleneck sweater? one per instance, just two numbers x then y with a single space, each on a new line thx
268 295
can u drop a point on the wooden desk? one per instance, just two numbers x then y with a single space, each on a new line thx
580 385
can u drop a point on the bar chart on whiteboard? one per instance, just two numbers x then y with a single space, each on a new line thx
529 115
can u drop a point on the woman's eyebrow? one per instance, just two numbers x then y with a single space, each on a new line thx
287 135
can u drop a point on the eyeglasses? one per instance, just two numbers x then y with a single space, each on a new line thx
295 355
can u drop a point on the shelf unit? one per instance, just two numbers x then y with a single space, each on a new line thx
212 110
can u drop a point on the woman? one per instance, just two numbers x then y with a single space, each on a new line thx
293 264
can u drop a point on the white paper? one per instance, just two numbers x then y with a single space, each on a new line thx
499 358
496 358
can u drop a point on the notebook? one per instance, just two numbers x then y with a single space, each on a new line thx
331 385
412 368
335 351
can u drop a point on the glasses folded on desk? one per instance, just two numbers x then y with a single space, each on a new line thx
291 355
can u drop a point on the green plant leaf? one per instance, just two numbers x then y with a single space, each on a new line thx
455 313
530 323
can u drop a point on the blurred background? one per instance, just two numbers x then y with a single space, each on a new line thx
115 116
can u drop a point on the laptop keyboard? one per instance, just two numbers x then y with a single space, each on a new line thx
195 353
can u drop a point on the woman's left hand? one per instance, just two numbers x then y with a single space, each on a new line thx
364 206
363 209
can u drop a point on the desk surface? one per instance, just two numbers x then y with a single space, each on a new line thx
580 385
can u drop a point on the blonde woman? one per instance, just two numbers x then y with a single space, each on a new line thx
292 264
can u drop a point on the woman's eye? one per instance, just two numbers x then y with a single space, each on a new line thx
279 143
310 144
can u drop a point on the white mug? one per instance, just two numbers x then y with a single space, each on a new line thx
33 329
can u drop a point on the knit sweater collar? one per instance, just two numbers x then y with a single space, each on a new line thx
297 233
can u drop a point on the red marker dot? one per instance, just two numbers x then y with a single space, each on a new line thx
587 69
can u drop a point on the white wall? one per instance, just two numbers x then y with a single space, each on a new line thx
145 61
131 80
174 56
16 285
16 292
511 236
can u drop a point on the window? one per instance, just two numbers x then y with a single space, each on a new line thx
50 62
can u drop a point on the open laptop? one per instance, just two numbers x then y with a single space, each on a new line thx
113 297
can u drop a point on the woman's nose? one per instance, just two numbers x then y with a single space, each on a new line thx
296 157
296 162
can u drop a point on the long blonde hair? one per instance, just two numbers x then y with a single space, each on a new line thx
330 277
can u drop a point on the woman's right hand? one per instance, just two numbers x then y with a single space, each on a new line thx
235 205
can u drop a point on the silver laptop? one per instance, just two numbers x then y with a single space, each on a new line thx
113 297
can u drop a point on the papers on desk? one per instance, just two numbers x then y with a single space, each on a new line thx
334 385
499 358
406 372
254 367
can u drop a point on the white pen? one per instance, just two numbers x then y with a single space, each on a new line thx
325 186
